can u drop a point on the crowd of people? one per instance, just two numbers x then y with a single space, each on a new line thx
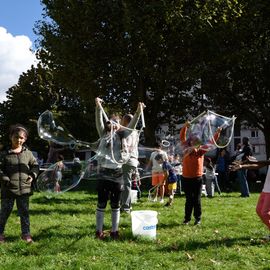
118 173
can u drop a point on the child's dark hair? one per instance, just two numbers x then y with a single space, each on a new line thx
210 164
14 129
128 117
158 157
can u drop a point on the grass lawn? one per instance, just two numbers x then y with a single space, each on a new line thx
63 230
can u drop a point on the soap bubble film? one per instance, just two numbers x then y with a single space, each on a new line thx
203 128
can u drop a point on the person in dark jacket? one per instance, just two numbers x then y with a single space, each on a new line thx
18 168
242 174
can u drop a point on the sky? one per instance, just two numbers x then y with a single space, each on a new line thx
17 20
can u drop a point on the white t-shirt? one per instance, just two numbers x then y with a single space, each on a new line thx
157 167
266 187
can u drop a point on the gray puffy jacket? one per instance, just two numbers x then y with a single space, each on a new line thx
15 169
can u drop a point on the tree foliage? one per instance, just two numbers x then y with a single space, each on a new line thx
36 92
237 78
179 57
124 51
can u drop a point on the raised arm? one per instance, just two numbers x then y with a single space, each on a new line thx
134 121
183 132
99 117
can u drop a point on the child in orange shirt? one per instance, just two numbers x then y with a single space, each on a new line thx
192 173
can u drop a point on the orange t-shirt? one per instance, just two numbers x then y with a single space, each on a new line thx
193 164
193 161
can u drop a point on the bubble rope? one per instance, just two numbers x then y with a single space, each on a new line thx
165 143
211 131
127 128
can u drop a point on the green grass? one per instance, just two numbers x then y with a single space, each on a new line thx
63 230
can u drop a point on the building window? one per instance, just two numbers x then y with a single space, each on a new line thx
159 130
254 134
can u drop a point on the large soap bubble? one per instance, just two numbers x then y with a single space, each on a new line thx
51 129
112 150
202 132
61 176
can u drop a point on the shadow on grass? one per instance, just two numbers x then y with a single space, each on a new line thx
60 200
56 232
69 211
170 225
217 243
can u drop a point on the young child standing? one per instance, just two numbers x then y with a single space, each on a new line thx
158 182
136 182
58 173
18 168
192 173
210 178
169 175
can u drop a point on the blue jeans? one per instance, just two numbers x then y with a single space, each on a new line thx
242 178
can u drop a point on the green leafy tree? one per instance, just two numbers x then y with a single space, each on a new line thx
35 93
237 75
176 56
123 51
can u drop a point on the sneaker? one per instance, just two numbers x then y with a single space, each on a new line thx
155 199
161 201
168 204
100 235
114 235
197 222
27 238
2 238
244 195
185 222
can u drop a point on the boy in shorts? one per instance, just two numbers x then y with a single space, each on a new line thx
169 175
157 173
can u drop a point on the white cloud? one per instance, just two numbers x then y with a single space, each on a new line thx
15 58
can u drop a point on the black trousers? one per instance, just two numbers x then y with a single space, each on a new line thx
23 211
108 190
193 189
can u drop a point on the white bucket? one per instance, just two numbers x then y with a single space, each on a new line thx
144 223
134 196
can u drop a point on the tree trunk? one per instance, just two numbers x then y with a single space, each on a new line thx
149 133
